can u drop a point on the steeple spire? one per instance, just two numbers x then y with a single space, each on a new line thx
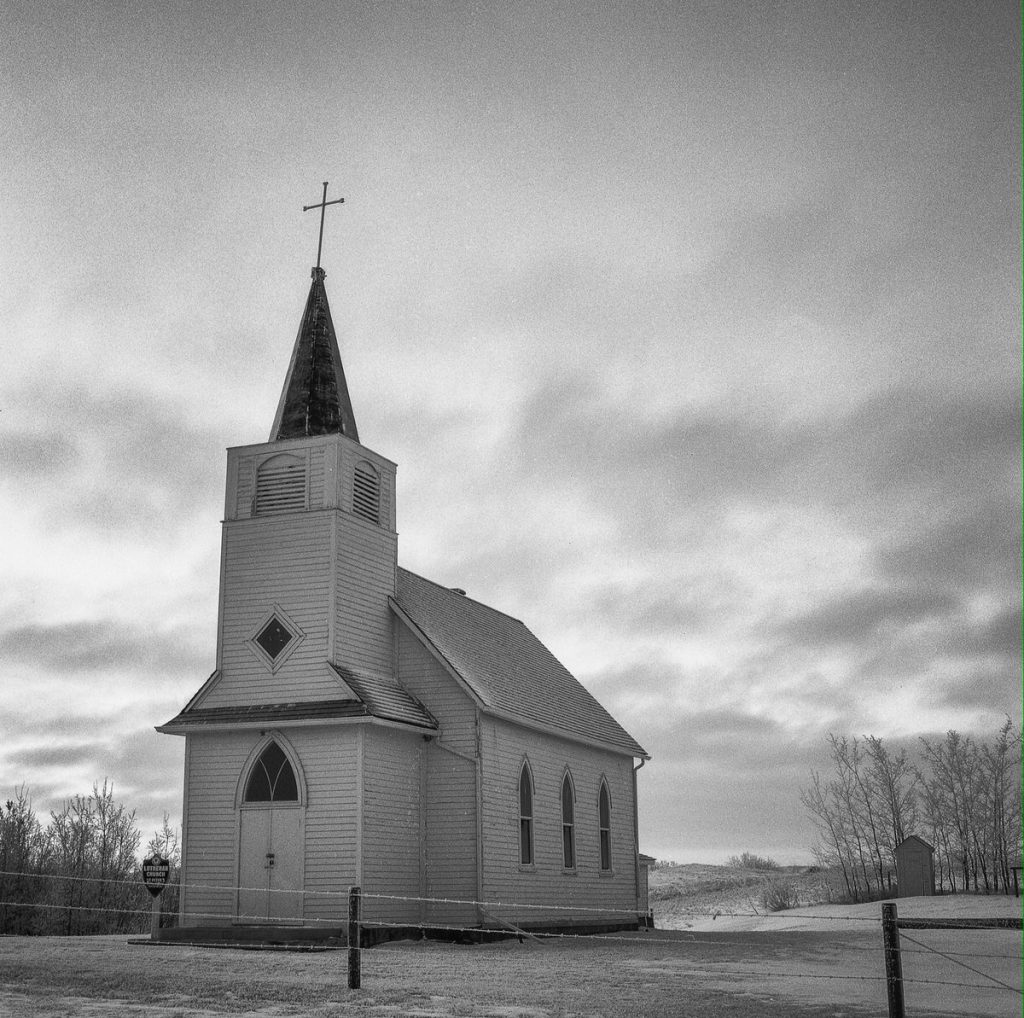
315 400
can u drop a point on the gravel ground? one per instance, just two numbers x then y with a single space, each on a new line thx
660 974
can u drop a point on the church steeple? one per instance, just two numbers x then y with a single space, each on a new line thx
315 400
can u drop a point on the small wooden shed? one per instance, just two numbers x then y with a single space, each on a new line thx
915 867
646 915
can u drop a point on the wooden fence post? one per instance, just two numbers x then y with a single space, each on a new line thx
354 961
893 963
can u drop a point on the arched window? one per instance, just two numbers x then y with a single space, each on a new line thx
568 823
604 821
526 816
272 778
366 492
280 485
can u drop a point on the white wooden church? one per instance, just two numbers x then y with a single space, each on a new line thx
366 726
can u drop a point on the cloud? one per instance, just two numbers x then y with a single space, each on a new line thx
73 647
28 455
983 689
978 549
862 616
886 454
66 755
55 759
124 461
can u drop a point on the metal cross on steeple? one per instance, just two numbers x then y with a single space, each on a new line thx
322 206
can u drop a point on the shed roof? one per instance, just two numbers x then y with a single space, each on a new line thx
385 699
377 698
505 667
911 840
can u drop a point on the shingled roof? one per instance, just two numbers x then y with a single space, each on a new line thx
378 698
315 400
509 671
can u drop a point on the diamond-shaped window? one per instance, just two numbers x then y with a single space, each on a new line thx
274 637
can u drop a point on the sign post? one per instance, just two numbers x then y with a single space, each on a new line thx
155 872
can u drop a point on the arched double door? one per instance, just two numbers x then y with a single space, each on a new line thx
270 839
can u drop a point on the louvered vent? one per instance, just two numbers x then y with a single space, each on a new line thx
280 485
366 493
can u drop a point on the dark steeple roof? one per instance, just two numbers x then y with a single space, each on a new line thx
315 400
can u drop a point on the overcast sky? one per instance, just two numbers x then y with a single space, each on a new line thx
694 330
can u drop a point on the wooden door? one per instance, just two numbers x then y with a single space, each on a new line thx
270 864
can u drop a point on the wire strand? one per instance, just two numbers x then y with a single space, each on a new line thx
970 968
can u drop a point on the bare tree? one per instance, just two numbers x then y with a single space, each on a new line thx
22 861
965 795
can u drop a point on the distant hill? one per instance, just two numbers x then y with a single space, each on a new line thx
679 893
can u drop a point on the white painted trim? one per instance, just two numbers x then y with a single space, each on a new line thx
241 726
220 597
184 836
480 887
332 606
421 763
310 441
298 635
524 764
272 735
231 489
203 690
360 802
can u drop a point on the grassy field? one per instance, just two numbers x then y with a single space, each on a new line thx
836 970
678 893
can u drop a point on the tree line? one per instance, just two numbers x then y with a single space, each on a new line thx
961 795
80 872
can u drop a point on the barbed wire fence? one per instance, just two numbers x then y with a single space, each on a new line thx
352 931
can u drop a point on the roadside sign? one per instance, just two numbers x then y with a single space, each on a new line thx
155 871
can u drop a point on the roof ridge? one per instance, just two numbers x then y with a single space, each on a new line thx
464 596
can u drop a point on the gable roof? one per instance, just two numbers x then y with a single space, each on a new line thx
315 400
910 839
505 667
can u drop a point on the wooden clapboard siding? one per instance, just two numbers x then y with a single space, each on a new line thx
365 579
281 560
451 779
330 764
430 682
451 836
329 760
211 825
392 823
503 748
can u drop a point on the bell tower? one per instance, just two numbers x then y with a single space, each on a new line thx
309 547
